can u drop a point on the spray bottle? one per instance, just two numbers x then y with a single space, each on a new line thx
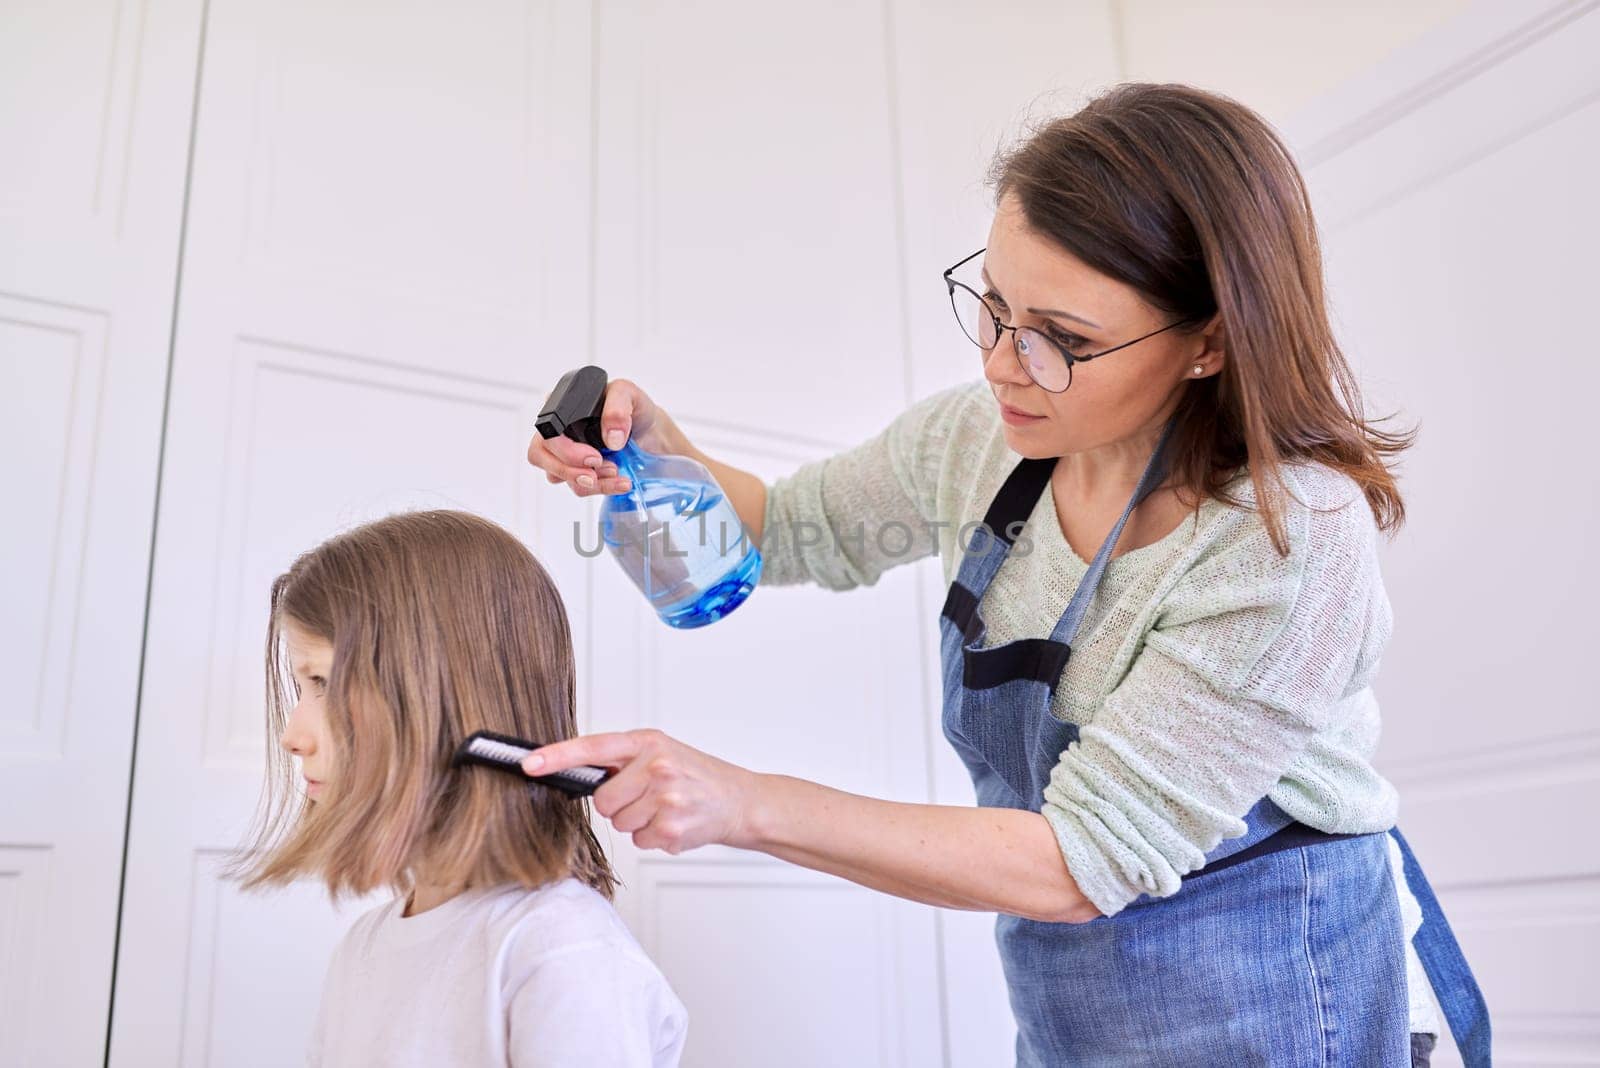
674 531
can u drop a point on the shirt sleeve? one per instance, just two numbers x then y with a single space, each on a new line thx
596 1003
842 521
1251 654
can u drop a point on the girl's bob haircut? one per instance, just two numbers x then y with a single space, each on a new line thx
441 624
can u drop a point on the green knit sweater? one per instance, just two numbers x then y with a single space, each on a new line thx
1209 670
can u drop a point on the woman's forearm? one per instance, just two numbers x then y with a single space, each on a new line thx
672 796
745 491
980 859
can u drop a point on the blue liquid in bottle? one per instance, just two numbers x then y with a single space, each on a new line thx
678 537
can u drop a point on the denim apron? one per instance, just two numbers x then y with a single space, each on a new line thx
1285 948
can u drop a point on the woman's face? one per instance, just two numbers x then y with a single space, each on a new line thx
1121 396
306 733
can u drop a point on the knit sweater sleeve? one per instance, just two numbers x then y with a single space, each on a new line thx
841 521
1249 655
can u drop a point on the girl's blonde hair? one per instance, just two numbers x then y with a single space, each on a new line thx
441 623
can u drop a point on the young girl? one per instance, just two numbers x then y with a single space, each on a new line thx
392 643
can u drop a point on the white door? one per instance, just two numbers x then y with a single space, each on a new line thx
384 269
731 207
1455 187
778 192
95 101
388 261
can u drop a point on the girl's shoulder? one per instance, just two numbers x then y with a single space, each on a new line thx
367 931
558 917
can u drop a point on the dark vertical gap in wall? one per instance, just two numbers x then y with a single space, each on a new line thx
155 519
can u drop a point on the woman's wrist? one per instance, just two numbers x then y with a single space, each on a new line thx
754 803
673 441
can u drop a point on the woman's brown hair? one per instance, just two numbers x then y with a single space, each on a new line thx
1193 199
441 624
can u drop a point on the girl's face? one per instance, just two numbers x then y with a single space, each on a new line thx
306 733
1030 281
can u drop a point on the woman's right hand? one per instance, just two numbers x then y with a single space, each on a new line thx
628 413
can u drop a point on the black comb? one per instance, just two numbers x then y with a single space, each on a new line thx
506 753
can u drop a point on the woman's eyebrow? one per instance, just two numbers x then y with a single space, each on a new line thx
984 271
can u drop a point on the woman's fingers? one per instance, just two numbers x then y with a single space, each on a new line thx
587 486
562 456
584 479
628 413
660 820
623 792
616 418
634 817
666 794
610 750
560 452
663 835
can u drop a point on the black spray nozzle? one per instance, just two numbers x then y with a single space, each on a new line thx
573 407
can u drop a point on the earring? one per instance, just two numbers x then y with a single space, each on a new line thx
1199 369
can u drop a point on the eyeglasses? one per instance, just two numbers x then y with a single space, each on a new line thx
1045 359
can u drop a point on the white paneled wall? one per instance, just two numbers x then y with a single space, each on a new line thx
385 266
1277 57
95 100
1455 186
403 225
389 228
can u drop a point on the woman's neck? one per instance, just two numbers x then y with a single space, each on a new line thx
1108 473
1091 489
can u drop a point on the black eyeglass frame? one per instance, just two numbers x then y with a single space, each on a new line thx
1068 358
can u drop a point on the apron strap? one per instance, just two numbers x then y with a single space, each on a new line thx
992 542
1154 471
1012 505
1447 968
1017 496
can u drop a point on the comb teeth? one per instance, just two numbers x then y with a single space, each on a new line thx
507 753
500 752
585 774
513 755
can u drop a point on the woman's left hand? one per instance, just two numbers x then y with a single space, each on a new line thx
666 794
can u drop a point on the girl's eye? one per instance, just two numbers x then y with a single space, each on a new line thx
319 682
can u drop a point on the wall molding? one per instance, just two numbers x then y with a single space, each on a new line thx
41 731
223 742
1567 755
1515 38
1448 79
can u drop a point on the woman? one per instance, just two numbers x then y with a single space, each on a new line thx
1179 822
